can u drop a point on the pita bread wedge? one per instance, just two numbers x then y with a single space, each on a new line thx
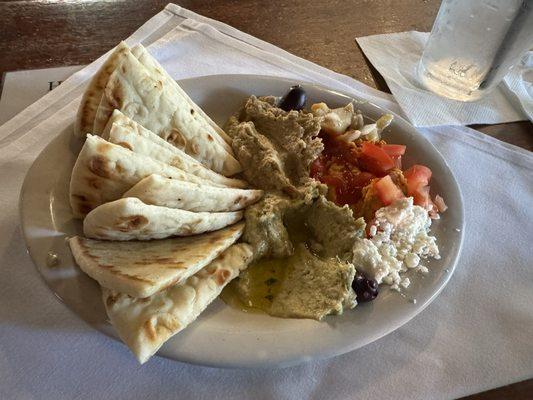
159 107
131 219
160 191
103 113
146 59
125 132
140 269
104 171
145 324
93 93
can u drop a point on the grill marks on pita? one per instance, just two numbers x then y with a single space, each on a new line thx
160 191
155 68
145 324
149 96
140 269
161 213
93 93
104 171
131 219
125 132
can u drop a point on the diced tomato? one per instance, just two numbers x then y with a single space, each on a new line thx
348 185
360 180
351 191
394 149
348 167
346 195
387 191
332 180
419 171
339 150
397 161
374 159
416 176
421 196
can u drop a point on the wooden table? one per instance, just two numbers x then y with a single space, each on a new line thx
40 34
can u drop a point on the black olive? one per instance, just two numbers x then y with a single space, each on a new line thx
294 99
365 289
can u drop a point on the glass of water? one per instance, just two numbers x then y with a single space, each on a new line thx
473 44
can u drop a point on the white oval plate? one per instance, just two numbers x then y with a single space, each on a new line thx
223 336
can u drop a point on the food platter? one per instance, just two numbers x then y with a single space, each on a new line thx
224 336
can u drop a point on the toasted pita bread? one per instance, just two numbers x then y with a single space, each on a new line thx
103 113
145 324
160 191
146 59
125 132
104 171
159 107
94 91
140 269
131 219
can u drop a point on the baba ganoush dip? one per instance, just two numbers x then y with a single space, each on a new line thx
309 242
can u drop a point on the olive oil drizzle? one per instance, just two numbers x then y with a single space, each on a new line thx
265 276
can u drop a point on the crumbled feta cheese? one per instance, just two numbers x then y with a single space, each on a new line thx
411 260
374 263
398 241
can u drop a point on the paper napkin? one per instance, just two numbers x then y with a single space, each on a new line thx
396 57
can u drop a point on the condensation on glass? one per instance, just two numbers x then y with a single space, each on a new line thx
473 44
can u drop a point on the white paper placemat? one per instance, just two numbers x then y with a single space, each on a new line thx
22 88
475 336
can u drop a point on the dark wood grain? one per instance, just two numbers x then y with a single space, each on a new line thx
40 34
517 391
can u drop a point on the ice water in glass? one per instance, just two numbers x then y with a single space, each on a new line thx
473 44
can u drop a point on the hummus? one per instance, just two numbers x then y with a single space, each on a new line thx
276 147
314 287
333 228
302 241
266 225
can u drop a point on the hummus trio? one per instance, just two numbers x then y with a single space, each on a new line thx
293 222
295 213
317 236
